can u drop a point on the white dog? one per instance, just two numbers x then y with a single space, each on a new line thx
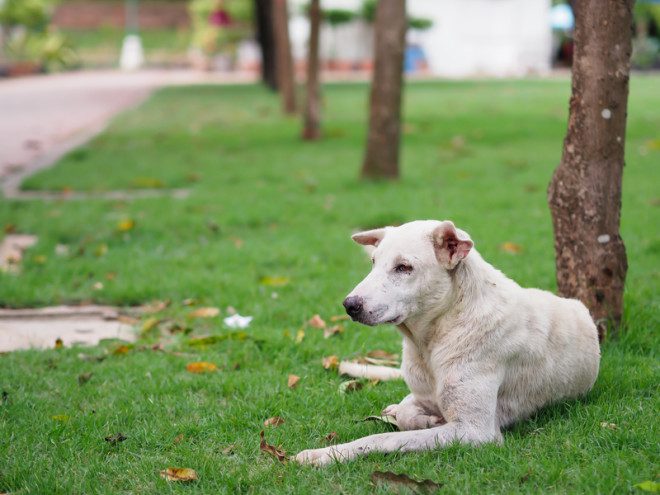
479 351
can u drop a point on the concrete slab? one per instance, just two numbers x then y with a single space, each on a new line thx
74 325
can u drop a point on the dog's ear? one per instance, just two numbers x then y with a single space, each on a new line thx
450 246
369 237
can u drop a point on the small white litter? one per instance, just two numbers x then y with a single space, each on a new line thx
238 321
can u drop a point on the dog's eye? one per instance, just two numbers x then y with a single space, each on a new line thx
403 268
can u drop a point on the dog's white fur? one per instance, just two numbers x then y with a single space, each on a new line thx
479 351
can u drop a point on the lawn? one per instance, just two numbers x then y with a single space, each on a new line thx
266 230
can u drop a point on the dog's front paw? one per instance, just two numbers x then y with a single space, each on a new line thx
390 410
316 457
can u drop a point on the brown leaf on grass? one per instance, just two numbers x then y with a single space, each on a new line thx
201 367
331 362
292 381
204 313
274 421
178 438
333 330
350 386
337 318
122 349
125 225
115 439
381 354
178 474
276 452
316 322
609 426
401 483
330 437
229 449
511 247
84 378
238 242
154 306
12 248
58 343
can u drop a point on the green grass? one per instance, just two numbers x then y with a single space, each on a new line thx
480 153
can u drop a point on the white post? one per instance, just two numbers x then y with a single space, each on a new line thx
132 53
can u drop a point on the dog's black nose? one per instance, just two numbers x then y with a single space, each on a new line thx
353 305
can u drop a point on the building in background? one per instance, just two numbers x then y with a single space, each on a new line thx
468 37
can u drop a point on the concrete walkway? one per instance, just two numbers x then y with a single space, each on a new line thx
44 117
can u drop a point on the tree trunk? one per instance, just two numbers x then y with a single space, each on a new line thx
285 75
585 191
312 118
263 16
382 155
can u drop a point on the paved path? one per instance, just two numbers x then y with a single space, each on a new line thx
43 117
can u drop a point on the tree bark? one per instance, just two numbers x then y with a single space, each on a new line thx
382 155
263 16
285 74
312 117
585 191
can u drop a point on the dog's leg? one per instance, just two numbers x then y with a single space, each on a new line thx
411 415
402 441
469 398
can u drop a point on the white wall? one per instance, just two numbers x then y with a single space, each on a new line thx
468 38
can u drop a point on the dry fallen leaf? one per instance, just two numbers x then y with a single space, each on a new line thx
337 318
122 349
274 421
401 483
350 386
381 354
58 343
300 335
154 306
238 242
201 367
331 362
333 330
125 225
316 322
115 439
62 418
84 378
390 420
511 247
229 449
609 426
330 437
179 474
292 381
204 313
276 452
178 438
